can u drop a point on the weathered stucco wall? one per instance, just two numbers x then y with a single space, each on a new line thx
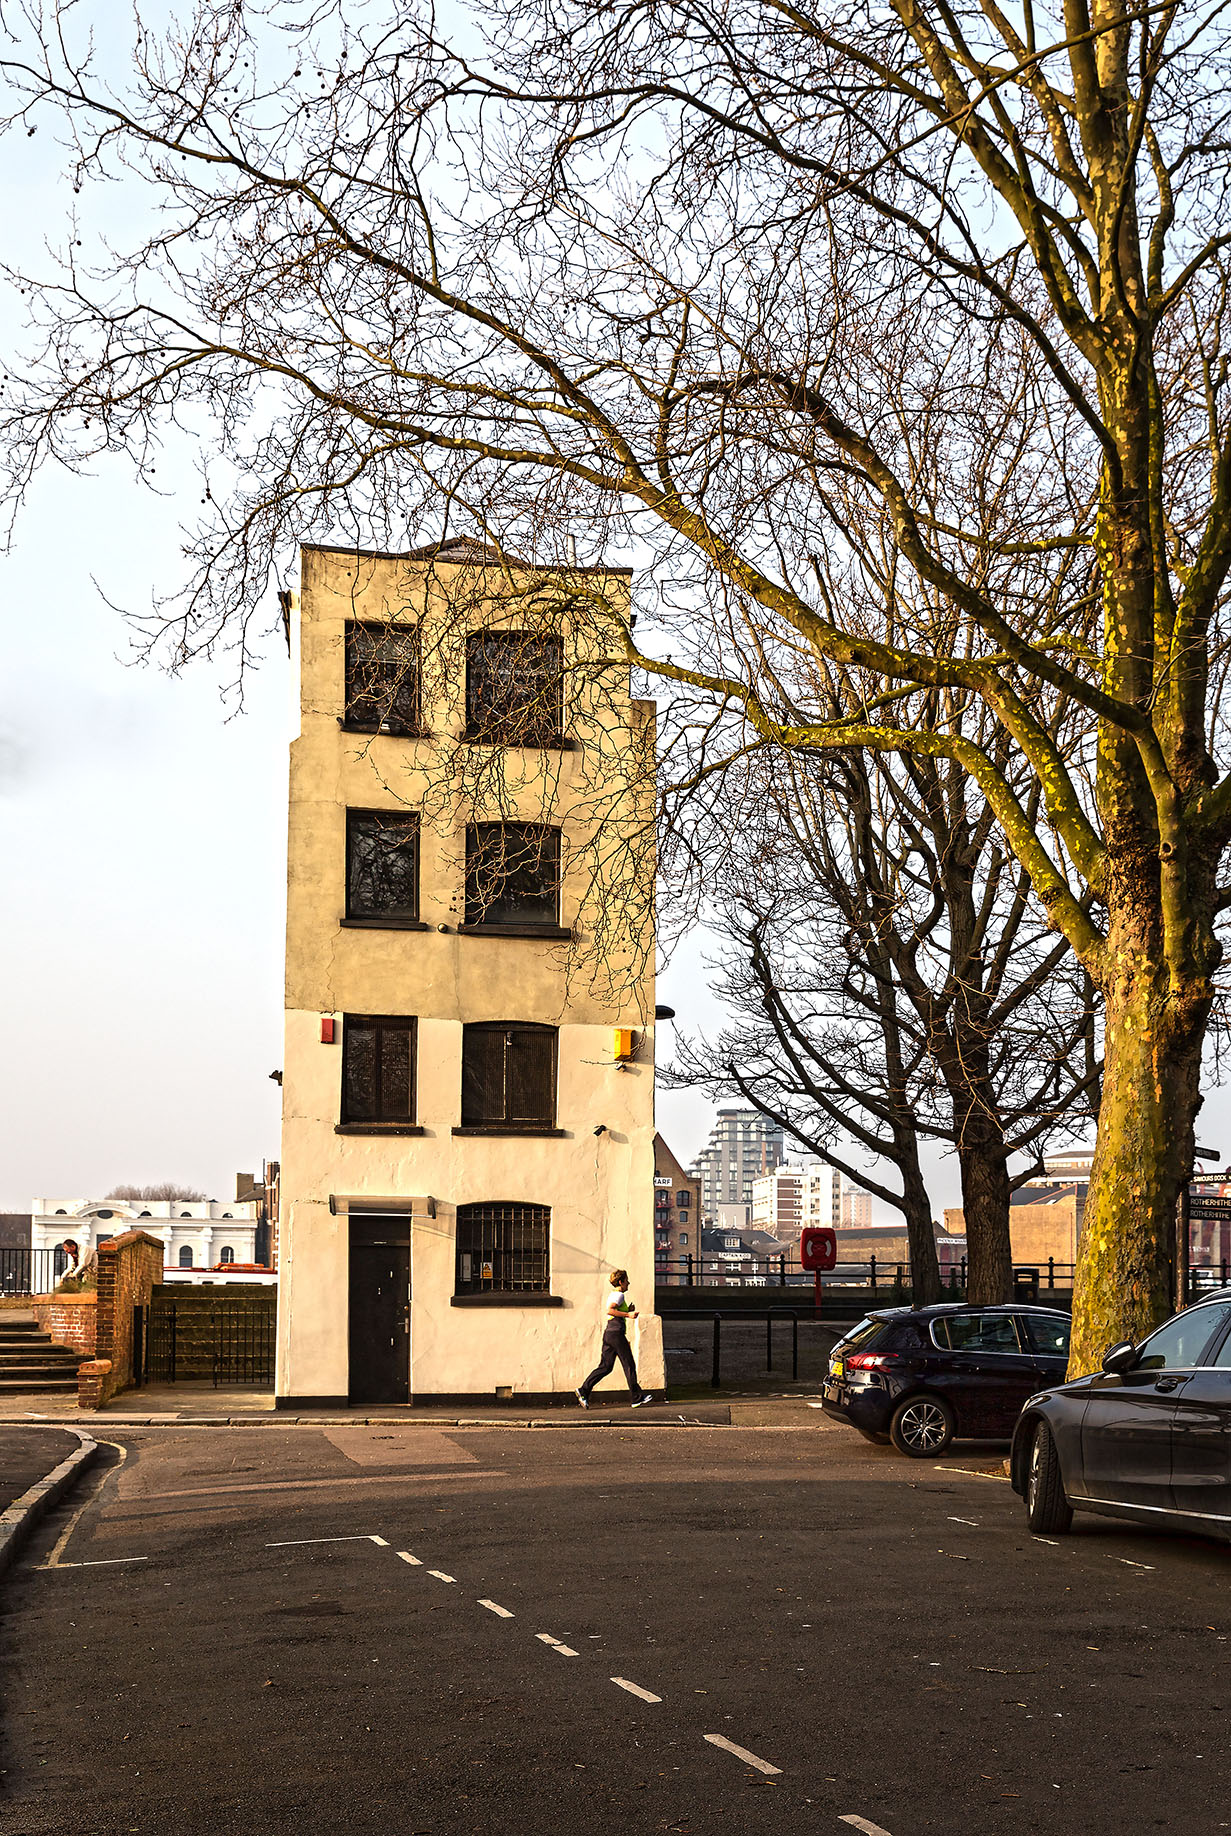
599 1187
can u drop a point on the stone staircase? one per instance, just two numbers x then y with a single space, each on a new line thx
30 1362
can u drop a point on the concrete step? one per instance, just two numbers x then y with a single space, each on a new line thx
18 1367
36 1386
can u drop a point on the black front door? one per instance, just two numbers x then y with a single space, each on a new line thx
379 1314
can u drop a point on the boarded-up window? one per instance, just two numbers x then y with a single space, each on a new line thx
382 864
382 678
378 1068
508 1076
514 688
512 873
502 1249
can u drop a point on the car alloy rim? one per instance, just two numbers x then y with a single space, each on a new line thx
1036 1466
923 1425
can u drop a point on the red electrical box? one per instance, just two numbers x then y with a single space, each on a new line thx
326 1030
818 1249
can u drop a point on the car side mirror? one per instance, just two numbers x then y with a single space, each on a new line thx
1120 1358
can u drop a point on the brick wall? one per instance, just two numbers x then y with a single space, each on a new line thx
128 1267
71 1319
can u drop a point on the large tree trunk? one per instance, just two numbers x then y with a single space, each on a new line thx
921 1236
1126 1268
985 1207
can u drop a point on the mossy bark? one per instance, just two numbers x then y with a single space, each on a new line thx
1126 1269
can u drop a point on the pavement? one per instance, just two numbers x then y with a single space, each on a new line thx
200 1403
500 1632
28 1455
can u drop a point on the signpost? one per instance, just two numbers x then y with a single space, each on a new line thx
1208 1207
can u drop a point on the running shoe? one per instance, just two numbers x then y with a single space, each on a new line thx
645 1397
583 1400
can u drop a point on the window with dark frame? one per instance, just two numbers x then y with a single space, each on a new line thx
503 1249
378 1069
382 678
514 688
512 874
382 864
508 1076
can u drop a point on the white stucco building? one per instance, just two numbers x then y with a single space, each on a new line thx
197 1234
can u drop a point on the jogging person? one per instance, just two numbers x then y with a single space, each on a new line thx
615 1345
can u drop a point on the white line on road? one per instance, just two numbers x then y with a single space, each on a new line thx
547 1639
406 1556
742 1753
861 1823
93 1496
635 1689
111 1562
972 1472
302 1542
491 1606
964 1520
1128 1564
439 1574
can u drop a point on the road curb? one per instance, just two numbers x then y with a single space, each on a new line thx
22 1516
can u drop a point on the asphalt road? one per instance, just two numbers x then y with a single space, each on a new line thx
818 1635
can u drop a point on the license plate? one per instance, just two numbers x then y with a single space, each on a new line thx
837 1367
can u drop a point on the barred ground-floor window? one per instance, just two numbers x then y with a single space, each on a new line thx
503 1249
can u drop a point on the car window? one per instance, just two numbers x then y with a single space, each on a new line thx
861 1336
1046 1335
1178 1345
976 1332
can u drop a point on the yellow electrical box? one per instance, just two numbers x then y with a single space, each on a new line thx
622 1043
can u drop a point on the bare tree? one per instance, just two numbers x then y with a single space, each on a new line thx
161 1189
745 287
891 978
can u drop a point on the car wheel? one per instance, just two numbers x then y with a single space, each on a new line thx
921 1426
1047 1508
877 1440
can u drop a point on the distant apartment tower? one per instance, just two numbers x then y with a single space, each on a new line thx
792 1198
856 1209
742 1145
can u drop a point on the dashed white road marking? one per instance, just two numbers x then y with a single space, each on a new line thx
405 1556
502 1611
861 1823
111 1562
964 1520
547 1639
1128 1564
301 1542
635 1689
742 1753
439 1574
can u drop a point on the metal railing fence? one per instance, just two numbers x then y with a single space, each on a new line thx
31 1271
876 1275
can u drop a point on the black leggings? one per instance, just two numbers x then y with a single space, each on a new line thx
615 1345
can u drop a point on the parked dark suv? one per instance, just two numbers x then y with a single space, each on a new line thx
919 1376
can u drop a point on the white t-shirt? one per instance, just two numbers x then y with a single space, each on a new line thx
618 1309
